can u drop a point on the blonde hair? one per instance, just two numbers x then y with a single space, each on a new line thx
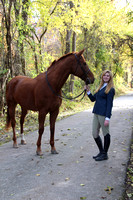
110 83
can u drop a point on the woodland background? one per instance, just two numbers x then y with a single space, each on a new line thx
35 32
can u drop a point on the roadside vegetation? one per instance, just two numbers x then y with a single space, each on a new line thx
128 195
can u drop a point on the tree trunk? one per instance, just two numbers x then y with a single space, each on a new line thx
3 80
7 59
7 16
85 43
71 87
68 37
25 8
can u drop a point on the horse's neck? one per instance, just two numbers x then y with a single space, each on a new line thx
58 76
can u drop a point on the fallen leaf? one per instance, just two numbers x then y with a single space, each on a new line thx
81 156
123 164
82 184
37 174
64 134
59 164
124 149
67 179
108 189
83 197
129 195
41 157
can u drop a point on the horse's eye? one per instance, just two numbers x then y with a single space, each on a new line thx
84 63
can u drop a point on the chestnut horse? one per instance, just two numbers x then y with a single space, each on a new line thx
43 94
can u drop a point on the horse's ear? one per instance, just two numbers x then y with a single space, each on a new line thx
80 53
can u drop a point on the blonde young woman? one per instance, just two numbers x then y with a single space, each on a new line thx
103 98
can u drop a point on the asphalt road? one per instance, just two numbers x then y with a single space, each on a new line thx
72 174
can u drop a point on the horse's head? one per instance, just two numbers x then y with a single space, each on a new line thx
82 70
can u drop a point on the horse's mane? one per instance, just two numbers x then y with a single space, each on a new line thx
61 58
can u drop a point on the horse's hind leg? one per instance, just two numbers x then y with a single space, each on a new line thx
23 114
53 116
13 123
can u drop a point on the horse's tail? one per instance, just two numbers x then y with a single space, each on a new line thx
9 100
8 120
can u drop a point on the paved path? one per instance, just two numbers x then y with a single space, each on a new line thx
72 174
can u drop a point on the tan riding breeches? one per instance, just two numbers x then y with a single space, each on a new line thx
98 122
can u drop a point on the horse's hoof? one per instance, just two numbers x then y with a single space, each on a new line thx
23 142
39 153
15 146
54 152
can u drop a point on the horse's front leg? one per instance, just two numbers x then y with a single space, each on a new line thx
53 116
41 119
23 114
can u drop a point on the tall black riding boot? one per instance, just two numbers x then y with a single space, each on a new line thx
106 142
104 155
100 146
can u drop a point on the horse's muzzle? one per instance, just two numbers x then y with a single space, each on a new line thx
88 81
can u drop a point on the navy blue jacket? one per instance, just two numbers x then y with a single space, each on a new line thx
104 102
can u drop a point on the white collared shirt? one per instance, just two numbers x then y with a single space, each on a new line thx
104 85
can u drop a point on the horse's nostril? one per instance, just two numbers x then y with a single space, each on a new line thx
89 81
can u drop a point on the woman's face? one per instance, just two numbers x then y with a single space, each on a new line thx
106 77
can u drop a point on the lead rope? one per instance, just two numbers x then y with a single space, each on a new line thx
69 98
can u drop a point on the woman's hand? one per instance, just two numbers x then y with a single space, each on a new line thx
106 122
86 87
